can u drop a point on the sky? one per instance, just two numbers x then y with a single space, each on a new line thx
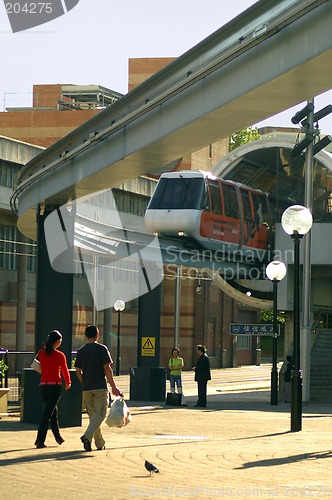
92 43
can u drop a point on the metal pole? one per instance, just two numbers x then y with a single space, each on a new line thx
107 339
117 372
306 301
274 372
296 380
95 290
177 307
6 372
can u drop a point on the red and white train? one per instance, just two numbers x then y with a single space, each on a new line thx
216 214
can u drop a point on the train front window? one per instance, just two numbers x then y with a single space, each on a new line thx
177 193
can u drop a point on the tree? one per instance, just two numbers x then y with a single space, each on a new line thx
3 369
239 138
267 316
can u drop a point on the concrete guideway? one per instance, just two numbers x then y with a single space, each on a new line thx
274 55
239 447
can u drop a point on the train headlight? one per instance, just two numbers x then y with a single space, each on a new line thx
155 233
180 233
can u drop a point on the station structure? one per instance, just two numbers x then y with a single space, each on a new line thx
204 317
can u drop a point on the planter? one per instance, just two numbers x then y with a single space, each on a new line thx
3 399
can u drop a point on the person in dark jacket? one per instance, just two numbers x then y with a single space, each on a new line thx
202 375
286 370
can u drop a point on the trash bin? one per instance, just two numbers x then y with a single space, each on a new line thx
147 384
70 404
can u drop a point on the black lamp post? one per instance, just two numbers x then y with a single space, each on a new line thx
296 221
275 271
119 306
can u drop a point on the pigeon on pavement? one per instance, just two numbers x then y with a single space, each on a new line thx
150 467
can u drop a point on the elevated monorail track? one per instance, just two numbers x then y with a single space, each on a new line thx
104 246
264 61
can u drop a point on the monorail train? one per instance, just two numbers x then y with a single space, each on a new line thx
216 214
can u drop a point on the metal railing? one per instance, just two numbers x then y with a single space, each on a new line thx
16 361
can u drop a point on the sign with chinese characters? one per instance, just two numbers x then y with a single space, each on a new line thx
251 329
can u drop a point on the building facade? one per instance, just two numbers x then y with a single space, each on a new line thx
204 318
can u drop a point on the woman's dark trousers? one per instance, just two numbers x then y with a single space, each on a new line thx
51 395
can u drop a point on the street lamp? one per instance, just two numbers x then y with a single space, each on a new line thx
119 306
296 221
275 271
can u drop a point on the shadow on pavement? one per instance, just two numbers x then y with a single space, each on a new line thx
237 401
44 457
271 462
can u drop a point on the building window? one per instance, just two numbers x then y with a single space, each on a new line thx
10 248
8 172
30 250
122 201
211 337
243 342
8 238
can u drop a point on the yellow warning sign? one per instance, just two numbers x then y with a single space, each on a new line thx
148 346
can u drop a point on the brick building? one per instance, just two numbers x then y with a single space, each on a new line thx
56 110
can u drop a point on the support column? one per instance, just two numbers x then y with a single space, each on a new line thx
148 379
148 348
21 295
54 295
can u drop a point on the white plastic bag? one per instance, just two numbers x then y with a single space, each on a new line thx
35 365
119 414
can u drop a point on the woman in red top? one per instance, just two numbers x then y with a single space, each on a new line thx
53 365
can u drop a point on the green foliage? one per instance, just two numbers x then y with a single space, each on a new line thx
3 367
239 138
267 316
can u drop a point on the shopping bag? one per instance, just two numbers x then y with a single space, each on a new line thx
35 365
119 414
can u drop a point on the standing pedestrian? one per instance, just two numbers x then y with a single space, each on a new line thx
94 369
202 375
53 366
286 370
175 365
